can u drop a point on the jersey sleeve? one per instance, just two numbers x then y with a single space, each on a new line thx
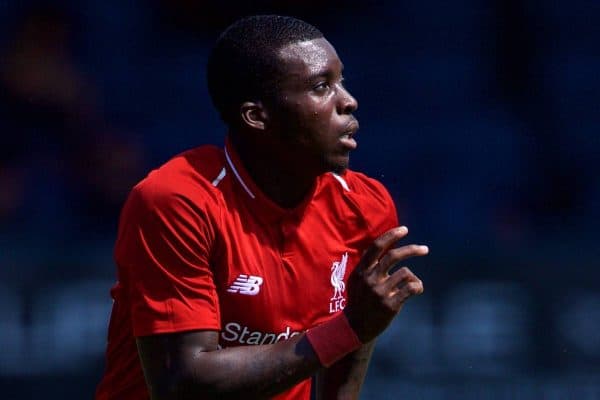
163 253
388 215
391 218
376 205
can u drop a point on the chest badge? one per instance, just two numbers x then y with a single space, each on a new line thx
338 270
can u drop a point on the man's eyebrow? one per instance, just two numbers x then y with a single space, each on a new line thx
325 71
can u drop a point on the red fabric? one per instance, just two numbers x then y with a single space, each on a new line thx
197 249
333 339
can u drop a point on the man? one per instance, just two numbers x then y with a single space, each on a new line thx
245 271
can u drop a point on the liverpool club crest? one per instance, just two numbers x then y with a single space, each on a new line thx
338 270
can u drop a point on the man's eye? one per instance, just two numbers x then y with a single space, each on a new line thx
321 87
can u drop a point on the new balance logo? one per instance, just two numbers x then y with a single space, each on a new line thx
246 284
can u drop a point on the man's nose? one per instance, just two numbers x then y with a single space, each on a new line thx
347 102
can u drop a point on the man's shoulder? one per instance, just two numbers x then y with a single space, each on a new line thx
363 187
368 198
188 175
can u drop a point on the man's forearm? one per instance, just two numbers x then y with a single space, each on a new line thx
235 372
344 380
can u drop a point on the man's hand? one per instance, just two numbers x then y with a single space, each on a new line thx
375 296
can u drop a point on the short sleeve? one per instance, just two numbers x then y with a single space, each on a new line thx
375 203
388 215
391 219
163 253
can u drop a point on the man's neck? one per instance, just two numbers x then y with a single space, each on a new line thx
284 183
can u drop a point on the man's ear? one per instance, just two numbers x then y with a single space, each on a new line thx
254 115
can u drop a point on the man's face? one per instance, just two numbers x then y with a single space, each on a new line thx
312 109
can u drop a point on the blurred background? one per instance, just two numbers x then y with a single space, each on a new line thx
480 116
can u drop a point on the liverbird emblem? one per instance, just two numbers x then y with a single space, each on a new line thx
338 270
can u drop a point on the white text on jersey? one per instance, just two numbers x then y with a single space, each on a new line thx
235 332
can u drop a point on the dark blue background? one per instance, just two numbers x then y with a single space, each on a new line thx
481 117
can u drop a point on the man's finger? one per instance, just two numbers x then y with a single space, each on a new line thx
408 289
399 278
380 246
394 256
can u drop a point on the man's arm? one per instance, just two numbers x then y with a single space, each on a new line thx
189 365
344 379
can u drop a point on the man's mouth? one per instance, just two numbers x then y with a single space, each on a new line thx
347 138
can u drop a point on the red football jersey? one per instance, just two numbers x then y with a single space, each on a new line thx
201 247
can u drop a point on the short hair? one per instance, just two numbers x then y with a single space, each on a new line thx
242 66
